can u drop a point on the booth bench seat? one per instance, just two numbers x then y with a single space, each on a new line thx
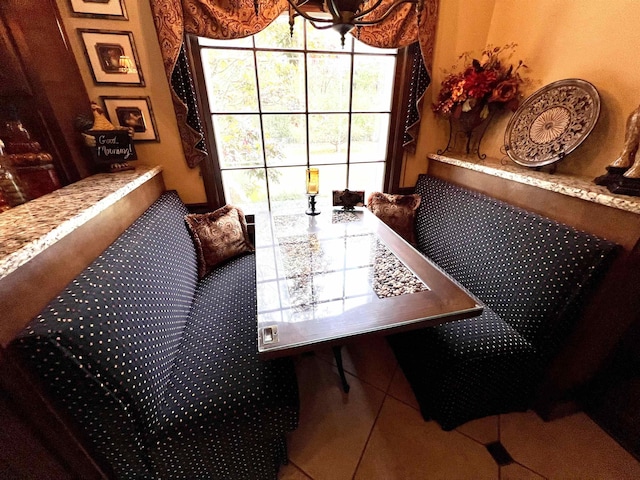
158 371
533 275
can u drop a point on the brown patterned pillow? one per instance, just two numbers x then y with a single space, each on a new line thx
218 236
397 211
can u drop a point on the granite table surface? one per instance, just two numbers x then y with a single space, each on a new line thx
30 228
579 187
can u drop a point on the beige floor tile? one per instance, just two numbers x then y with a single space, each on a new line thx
404 446
483 430
400 389
291 472
570 447
370 359
334 426
518 472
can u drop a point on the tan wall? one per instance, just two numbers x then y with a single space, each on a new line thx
168 152
596 40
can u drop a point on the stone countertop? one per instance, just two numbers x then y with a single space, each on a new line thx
29 229
580 187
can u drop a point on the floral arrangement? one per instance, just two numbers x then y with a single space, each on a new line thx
489 83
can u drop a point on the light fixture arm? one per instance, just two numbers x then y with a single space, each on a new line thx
392 8
345 20
368 10
306 15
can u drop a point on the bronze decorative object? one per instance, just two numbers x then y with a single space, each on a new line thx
623 175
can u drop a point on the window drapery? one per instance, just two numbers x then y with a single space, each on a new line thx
229 19
420 80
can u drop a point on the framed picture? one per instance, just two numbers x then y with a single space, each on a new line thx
134 112
112 57
107 9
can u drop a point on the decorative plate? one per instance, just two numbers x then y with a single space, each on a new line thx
552 122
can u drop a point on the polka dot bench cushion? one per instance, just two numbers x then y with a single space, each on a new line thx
532 273
160 371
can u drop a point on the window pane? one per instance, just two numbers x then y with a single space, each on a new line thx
367 177
281 77
369 134
328 82
238 140
246 189
280 103
327 40
285 139
278 35
328 138
287 189
244 42
231 80
373 85
332 177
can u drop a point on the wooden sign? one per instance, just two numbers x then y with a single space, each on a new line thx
113 146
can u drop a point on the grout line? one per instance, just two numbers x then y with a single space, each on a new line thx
514 460
531 470
393 375
334 367
470 437
366 444
302 470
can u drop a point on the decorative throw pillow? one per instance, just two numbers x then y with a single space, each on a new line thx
218 236
397 211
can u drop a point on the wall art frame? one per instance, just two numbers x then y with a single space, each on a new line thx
103 50
134 112
105 9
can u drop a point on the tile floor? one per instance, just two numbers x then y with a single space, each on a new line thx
376 432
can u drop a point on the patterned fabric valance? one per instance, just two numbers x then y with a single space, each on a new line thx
229 19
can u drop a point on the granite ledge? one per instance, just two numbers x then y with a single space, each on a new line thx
579 187
27 230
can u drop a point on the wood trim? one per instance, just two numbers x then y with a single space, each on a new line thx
59 95
26 291
395 150
210 166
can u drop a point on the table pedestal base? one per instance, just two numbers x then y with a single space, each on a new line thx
337 353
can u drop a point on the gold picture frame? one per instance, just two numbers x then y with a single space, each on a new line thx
112 57
133 112
106 9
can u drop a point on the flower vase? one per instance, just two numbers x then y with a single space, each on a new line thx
468 127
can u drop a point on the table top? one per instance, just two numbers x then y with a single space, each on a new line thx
322 280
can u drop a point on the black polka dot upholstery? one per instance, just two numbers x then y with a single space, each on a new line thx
159 371
532 273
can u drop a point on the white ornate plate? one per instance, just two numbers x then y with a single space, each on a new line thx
552 122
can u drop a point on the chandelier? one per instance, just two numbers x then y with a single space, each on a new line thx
342 15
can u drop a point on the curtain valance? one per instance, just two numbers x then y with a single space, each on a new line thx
229 19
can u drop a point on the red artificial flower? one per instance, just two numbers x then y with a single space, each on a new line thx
505 91
481 82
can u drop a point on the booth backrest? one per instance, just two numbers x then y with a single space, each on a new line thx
532 271
121 320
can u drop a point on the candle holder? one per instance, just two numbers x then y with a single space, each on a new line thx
312 205
313 188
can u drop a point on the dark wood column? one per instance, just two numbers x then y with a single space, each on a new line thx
40 81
